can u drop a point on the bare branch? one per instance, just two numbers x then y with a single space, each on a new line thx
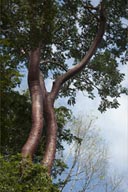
90 8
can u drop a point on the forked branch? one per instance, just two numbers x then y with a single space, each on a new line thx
78 67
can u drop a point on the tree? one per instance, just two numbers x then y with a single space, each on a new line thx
46 34
87 161
12 113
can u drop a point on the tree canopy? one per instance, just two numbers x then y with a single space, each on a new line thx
66 30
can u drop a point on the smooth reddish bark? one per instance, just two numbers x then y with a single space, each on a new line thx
37 105
51 133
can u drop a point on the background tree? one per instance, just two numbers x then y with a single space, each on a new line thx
87 161
46 34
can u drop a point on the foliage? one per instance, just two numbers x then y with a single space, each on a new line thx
15 121
66 30
87 161
32 177
15 113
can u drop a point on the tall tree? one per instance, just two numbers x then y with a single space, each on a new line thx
46 34
88 161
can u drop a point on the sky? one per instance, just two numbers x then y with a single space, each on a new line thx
113 125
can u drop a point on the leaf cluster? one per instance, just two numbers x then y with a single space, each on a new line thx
32 177
15 121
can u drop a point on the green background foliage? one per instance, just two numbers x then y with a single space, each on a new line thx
16 176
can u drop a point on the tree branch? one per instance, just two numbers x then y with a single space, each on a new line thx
56 63
89 8
78 67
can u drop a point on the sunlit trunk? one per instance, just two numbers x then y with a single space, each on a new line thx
51 133
37 105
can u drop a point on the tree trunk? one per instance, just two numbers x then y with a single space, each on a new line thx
37 105
51 133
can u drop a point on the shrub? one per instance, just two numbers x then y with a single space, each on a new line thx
19 176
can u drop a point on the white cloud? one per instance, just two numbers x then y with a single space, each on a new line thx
114 127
